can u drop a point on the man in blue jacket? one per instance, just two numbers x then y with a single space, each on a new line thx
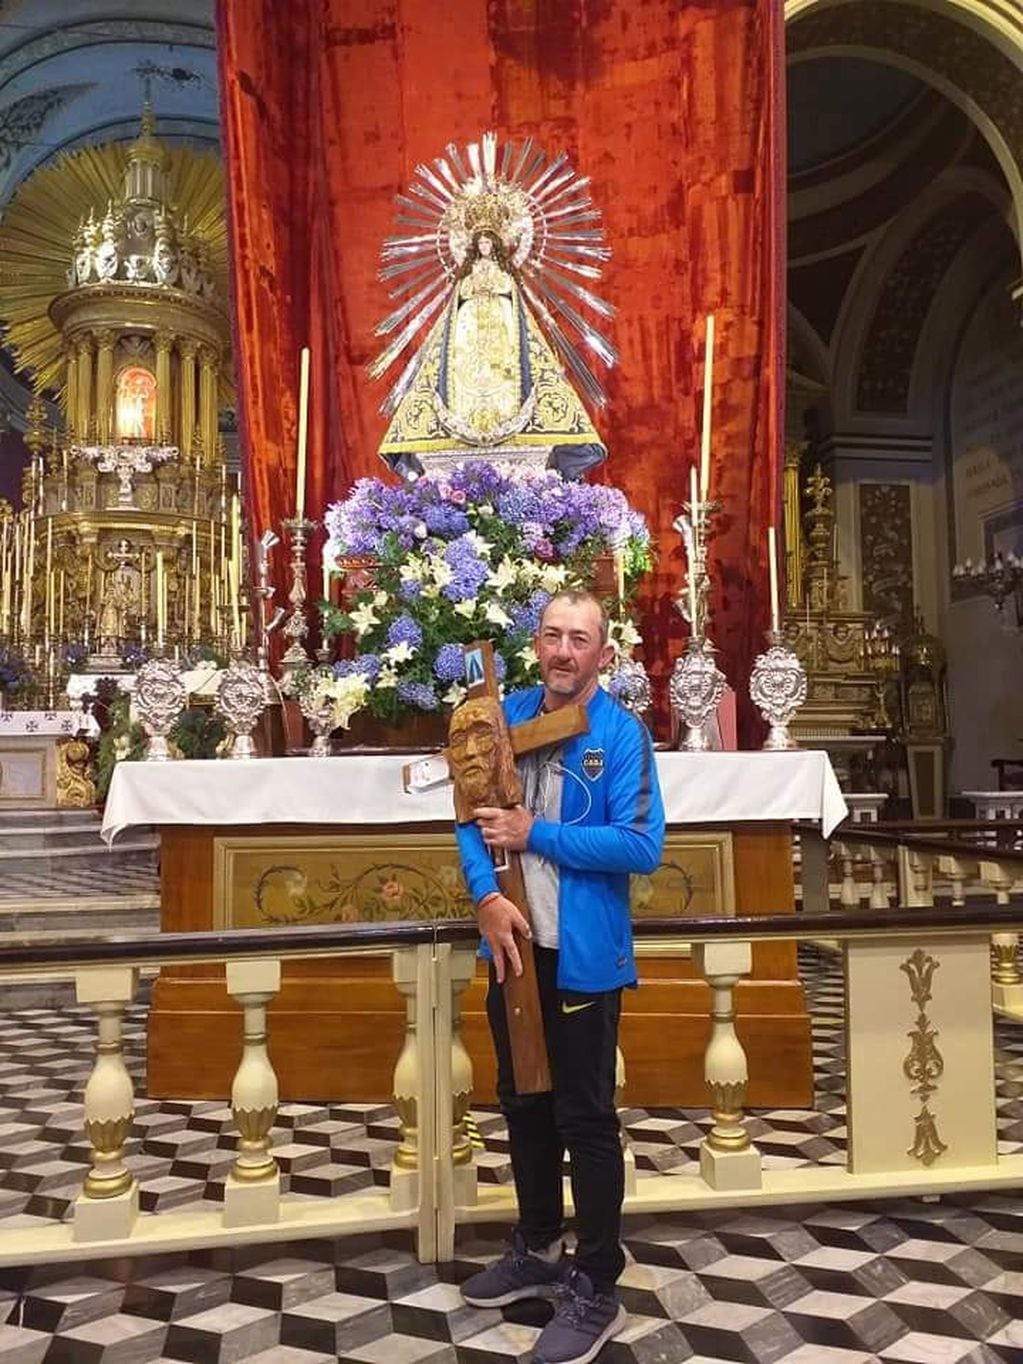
591 815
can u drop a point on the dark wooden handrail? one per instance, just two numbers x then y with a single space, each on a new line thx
873 834
984 915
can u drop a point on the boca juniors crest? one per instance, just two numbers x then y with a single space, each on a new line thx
593 763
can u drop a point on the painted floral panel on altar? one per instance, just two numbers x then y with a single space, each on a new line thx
262 882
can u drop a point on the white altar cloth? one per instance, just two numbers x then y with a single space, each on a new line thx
698 788
20 723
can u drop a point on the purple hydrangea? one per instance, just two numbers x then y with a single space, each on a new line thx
411 589
469 571
418 694
367 664
404 630
449 665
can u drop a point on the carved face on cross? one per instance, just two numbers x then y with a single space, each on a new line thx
481 757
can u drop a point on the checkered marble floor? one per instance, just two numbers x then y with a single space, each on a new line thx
899 1280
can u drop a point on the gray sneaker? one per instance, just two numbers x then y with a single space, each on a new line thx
583 1322
517 1275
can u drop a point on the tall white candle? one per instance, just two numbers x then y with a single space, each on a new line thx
708 389
694 502
303 431
159 599
772 555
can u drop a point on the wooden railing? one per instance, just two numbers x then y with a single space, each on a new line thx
919 865
908 970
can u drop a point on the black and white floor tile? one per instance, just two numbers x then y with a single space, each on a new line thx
900 1280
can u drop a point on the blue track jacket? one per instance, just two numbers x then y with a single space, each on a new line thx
612 824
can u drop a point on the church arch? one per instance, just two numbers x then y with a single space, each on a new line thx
972 52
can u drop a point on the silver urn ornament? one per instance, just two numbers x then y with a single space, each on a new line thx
696 688
160 697
241 700
630 686
319 711
777 688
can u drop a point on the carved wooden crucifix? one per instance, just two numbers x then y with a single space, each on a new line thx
481 757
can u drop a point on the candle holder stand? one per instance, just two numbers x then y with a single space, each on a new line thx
296 627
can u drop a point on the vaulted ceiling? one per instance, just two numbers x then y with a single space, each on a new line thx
75 72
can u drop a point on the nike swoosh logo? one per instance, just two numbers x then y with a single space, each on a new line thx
576 1008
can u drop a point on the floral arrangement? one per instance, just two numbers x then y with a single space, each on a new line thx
15 673
476 555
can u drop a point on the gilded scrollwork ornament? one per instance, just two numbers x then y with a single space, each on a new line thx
924 1065
241 700
160 697
778 689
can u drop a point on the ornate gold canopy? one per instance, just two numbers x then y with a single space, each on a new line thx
84 190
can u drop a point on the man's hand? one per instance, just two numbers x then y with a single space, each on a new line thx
499 920
504 828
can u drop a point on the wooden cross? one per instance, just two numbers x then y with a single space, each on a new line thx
521 996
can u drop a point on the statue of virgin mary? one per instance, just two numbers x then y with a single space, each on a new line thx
501 264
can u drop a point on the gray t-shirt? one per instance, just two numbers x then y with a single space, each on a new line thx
542 782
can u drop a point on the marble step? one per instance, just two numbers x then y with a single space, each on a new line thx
34 855
33 816
30 837
62 917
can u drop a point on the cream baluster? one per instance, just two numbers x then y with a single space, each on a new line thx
405 970
1006 983
915 878
728 1160
252 1192
108 1205
879 896
848 896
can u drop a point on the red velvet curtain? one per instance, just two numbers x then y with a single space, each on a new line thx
673 107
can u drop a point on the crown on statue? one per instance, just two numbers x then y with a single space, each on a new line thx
501 210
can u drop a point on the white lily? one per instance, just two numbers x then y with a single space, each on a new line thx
364 617
399 653
496 614
504 575
465 608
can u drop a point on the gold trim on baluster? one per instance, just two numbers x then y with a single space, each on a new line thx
254 1128
406 1157
1005 961
728 1101
107 1139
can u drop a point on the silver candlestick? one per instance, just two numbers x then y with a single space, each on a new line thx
296 627
266 623
777 688
160 697
696 688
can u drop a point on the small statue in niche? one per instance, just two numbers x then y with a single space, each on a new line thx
108 254
165 258
122 596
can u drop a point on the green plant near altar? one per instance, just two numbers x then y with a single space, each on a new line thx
475 555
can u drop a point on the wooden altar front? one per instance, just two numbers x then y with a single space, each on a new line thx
337 1026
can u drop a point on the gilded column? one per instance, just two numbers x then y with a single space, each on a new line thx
84 423
164 416
793 526
209 363
71 391
186 350
104 384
